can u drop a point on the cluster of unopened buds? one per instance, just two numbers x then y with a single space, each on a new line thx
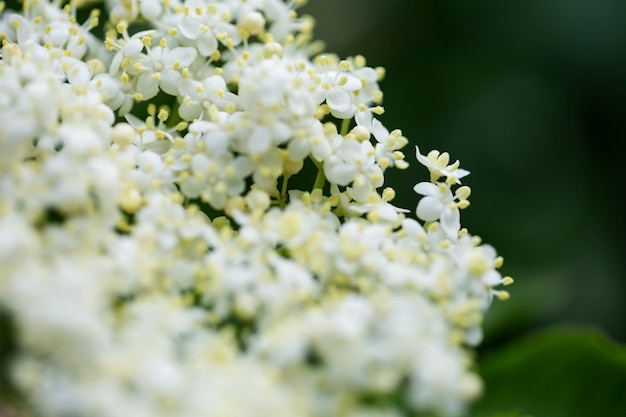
194 221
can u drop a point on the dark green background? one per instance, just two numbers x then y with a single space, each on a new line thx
530 95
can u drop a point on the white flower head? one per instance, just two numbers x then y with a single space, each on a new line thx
437 164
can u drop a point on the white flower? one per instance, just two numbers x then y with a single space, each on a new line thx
438 204
216 177
160 68
198 97
354 162
438 166
378 207
207 27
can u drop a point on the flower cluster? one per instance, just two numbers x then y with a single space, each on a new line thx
154 259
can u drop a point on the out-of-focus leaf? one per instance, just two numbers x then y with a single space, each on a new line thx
565 372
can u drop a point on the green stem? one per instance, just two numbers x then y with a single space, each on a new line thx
283 192
345 125
320 179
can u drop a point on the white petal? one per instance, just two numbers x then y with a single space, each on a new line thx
206 45
429 209
169 82
379 131
339 173
451 222
426 188
147 86
338 99
184 55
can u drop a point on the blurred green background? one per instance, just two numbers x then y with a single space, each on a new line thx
530 95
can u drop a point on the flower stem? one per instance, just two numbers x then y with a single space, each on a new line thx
320 179
283 192
345 125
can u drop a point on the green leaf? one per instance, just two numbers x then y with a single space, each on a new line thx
564 372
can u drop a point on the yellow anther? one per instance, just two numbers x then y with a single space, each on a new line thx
138 67
359 61
230 108
97 66
360 133
463 192
503 295
463 232
156 76
373 216
389 194
138 97
378 110
380 73
163 115
345 66
163 43
377 96
121 27
180 143
498 262
451 180
463 204
507 281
